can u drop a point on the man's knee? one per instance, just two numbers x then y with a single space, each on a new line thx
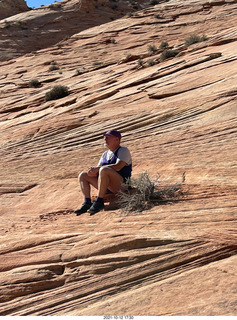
104 171
82 176
111 173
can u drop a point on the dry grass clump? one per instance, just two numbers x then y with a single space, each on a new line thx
168 53
144 193
164 45
152 49
195 39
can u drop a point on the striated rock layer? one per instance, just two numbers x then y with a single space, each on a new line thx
48 25
178 118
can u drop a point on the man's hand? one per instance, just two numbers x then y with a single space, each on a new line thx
93 171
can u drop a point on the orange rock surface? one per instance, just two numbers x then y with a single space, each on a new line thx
37 29
178 118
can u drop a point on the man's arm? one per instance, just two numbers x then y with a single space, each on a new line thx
117 166
93 171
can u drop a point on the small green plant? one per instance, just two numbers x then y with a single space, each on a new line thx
78 72
34 83
17 23
164 45
7 24
152 49
140 62
53 67
168 53
97 63
195 39
57 92
128 57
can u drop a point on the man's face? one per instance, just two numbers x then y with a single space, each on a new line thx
111 142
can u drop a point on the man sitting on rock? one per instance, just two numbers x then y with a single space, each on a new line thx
110 175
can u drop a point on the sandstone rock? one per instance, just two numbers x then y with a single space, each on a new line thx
49 25
11 7
178 118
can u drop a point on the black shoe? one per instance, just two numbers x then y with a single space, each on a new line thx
83 209
96 207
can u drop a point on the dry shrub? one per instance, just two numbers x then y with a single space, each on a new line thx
57 92
53 67
164 45
34 83
168 53
144 193
195 39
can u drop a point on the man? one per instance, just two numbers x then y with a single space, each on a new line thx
110 175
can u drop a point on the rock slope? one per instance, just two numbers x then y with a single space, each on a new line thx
177 116
48 25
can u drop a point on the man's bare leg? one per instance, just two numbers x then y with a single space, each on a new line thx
85 182
108 179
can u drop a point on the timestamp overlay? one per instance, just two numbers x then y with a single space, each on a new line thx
118 318
138 318
154 318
